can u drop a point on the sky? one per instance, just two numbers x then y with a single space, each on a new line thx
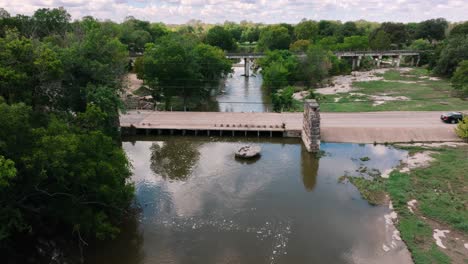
266 11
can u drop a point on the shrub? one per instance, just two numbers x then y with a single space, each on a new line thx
462 129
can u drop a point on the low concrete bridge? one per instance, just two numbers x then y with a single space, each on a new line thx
312 126
356 57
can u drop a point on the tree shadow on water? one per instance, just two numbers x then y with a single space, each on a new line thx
174 159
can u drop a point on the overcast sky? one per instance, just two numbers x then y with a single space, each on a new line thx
267 11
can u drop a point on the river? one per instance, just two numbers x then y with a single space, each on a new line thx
201 205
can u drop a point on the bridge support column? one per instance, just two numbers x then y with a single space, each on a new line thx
417 61
379 60
311 126
359 61
412 61
398 61
354 64
246 67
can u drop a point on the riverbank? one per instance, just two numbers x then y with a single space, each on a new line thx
402 89
429 196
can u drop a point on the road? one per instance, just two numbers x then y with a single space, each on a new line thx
368 127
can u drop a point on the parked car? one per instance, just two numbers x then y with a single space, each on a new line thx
452 117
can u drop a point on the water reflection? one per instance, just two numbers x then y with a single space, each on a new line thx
310 167
174 159
286 207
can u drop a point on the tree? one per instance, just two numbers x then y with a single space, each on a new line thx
380 41
460 78
425 47
50 21
355 43
274 37
220 37
462 129
433 29
349 29
251 34
328 28
460 29
283 99
396 31
299 46
453 52
279 69
315 67
178 66
306 30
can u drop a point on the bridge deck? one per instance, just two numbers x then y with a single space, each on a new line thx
335 127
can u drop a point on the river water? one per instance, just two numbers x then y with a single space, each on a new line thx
240 94
201 205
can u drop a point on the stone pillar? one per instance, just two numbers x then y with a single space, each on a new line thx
354 63
417 61
393 61
412 61
398 60
311 126
359 61
246 67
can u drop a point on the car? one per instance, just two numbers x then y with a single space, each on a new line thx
452 117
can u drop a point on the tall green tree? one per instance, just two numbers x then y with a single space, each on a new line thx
50 21
274 37
433 29
220 37
460 78
306 30
178 66
453 52
380 41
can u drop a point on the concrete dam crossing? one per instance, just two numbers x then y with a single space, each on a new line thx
366 127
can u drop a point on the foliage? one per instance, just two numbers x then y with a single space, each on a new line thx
425 46
274 37
359 43
282 100
306 30
380 40
162 70
455 51
278 69
315 67
300 45
433 29
7 172
50 21
218 36
396 31
460 78
462 129
460 29
251 34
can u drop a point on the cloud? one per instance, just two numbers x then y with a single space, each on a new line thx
267 11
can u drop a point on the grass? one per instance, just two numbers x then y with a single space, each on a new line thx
442 196
424 95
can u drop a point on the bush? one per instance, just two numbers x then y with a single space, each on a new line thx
462 129
460 78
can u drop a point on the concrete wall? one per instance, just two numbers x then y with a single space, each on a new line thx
311 126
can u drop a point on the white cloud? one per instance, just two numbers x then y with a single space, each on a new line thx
271 11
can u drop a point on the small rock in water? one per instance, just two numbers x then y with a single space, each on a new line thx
248 151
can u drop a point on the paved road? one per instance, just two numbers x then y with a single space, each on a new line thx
366 127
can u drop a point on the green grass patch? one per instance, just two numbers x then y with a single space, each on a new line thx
441 194
422 94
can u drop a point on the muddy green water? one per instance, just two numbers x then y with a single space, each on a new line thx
201 205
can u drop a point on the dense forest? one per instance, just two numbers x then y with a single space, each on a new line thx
63 172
